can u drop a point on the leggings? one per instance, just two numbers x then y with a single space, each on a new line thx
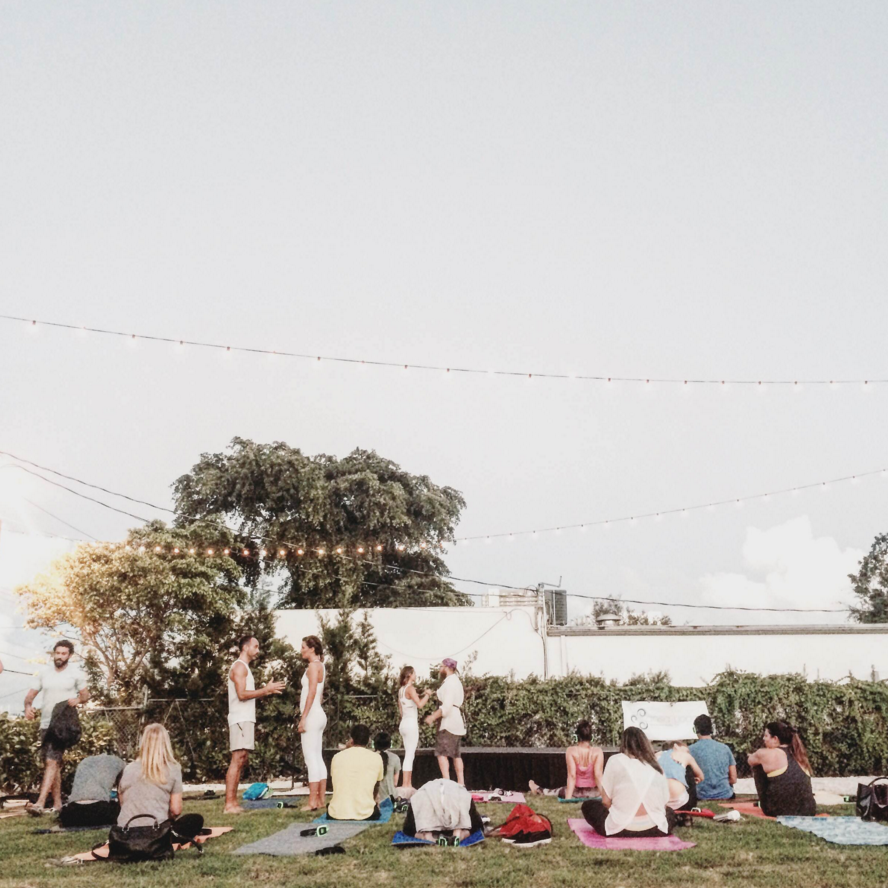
409 731
187 826
89 814
313 745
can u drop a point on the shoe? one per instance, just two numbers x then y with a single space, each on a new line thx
531 840
729 817
35 810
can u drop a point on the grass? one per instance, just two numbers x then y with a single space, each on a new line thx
750 853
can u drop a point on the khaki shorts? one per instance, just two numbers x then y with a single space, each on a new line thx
242 736
447 744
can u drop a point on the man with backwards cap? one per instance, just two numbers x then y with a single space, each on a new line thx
452 728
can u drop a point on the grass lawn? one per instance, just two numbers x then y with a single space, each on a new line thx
751 853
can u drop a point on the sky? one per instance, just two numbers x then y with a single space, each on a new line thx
687 190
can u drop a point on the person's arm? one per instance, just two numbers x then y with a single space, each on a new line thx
769 759
82 697
732 774
698 771
239 679
313 670
175 805
439 712
606 786
414 696
29 701
597 764
571 775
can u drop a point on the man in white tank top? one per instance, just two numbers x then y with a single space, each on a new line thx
242 696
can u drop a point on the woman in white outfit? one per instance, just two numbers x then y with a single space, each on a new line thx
409 704
313 721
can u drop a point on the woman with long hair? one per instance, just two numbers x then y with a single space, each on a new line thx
313 720
391 765
634 792
782 772
409 704
585 763
151 786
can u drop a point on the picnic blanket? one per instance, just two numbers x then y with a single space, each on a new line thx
260 804
288 842
102 852
385 814
840 830
592 839
511 798
402 840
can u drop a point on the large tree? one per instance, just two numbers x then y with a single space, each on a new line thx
389 524
870 584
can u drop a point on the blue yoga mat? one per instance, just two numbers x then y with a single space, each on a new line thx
385 814
406 841
840 830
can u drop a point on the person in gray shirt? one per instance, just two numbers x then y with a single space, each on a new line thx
90 802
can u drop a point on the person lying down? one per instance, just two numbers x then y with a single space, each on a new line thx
441 807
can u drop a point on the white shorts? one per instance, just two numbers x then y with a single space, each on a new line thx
242 736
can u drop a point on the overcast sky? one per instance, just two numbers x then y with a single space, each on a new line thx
682 189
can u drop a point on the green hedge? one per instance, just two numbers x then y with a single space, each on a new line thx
844 724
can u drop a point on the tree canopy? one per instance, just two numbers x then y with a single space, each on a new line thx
870 584
279 499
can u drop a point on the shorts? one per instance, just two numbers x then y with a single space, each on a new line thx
49 752
447 744
242 736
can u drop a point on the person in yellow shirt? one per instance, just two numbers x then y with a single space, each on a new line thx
356 773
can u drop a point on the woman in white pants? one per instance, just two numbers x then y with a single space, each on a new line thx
313 721
409 704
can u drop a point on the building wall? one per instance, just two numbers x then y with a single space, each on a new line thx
507 641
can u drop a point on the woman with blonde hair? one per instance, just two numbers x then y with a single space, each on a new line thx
151 786
409 704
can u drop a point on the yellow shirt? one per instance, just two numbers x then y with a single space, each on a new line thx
355 773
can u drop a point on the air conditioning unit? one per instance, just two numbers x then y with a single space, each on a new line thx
556 607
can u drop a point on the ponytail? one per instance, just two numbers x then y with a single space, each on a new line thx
789 736
799 752
382 744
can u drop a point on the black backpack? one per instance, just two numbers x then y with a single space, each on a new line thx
132 844
64 727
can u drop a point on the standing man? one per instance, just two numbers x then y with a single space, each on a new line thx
242 696
59 682
452 728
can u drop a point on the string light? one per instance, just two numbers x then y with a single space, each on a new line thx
648 382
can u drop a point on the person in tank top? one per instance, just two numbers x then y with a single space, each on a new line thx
409 704
585 763
682 774
782 773
242 697
313 721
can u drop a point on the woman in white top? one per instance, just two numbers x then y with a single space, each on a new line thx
313 721
634 793
409 704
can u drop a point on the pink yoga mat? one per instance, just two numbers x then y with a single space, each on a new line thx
509 798
592 839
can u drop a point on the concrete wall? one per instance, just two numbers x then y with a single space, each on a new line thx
507 640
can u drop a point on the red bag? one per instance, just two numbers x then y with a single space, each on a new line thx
523 819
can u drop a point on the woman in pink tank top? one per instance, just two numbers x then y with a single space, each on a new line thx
585 763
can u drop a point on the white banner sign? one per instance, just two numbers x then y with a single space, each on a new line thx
664 721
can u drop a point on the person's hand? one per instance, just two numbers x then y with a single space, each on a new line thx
300 728
274 687
74 701
699 779
30 714
429 719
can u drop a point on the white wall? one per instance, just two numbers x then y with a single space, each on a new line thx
507 641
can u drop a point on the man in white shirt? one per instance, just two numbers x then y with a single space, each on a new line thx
58 683
452 728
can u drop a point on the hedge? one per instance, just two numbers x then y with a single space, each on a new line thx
844 724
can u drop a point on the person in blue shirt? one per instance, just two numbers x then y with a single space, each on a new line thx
716 760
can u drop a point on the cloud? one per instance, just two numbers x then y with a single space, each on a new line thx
787 566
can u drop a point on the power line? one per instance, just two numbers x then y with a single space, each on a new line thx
56 517
439 368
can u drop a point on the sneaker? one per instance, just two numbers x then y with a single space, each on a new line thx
531 840
35 810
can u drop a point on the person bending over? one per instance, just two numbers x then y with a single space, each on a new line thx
782 773
716 760
90 802
441 806
585 763
682 773
152 786
634 793
391 765
356 773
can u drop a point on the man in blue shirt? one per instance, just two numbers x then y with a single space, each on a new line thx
716 760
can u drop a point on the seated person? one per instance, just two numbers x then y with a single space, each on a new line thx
356 773
585 763
441 806
782 773
152 786
634 793
682 773
716 760
90 802
391 765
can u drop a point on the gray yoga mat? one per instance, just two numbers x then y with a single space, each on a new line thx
288 842
273 802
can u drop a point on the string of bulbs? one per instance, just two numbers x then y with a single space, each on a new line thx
181 343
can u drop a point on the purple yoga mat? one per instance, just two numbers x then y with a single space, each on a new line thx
592 839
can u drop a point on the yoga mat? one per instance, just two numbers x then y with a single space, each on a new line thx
66 829
509 798
385 814
840 830
748 808
577 801
592 839
404 841
87 856
261 804
288 842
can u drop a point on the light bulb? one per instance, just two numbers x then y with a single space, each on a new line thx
263 552
300 551
339 550
226 551
176 551
192 551
321 552
210 552
360 550
158 549
141 548
246 553
282 552
379 548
